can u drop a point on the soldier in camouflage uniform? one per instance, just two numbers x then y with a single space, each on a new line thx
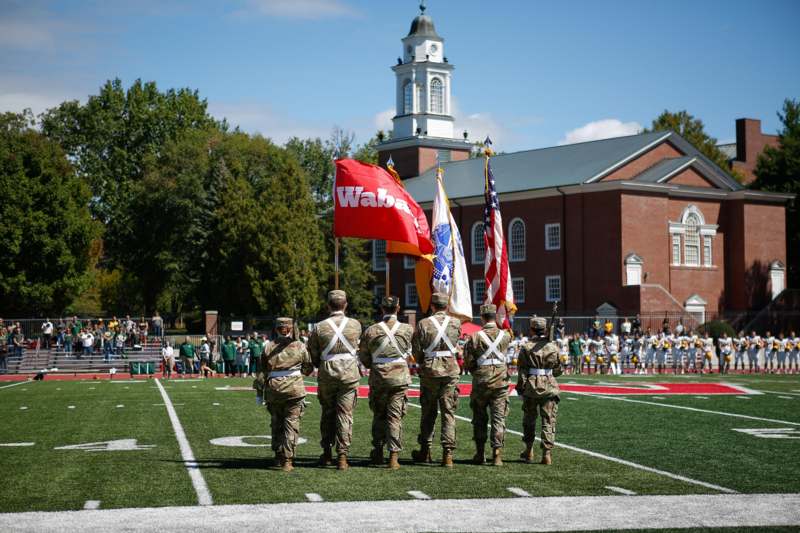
485 359
280 382
539 365
333 346
384 349
434 348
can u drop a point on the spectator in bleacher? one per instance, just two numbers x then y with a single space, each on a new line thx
129 327
18 340
119 342
75 328
242 356
158 325
636 325
168 358
60 329
625 327
87 341
143 331
3 346
205 358
108 345
68 340
187 353
113 324
228 355
47 333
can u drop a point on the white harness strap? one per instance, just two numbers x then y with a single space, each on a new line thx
491 356
389 339
291 372
441 330
337 336
540 371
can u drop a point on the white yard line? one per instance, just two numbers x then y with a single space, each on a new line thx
199 483
519 492
618 460
571 513
314 497
620 490
91 505
786 397
16 444
13 384
419 495
778 392
686 408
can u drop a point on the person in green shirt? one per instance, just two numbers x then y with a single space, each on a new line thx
228 355
575 353
187 353
256 347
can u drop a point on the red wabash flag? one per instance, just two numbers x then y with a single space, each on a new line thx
496 270
369 203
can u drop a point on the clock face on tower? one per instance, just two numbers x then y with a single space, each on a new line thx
434 48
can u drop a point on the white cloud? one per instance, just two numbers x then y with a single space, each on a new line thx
264 119
17 101
480 125
383 120
601 129
303 9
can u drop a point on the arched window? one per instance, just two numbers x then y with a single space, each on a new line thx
516 240
408 98
437 96
691 240
478 244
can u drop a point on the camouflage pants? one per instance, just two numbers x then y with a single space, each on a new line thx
496 402
388 406
438 394
285 424
338 401
547 408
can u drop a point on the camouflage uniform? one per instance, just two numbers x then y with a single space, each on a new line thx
539 365
335 356
439 375
484 358
280 382
389 378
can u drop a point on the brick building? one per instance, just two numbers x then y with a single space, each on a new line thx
750 142
643 223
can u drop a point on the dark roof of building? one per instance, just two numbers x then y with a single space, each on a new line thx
422 26
664 168
729 149
560 166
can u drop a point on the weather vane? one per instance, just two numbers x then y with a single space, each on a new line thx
422 7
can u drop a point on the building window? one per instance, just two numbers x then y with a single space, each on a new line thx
443 156
478 244
633 269
412 300
552 288
691 241
516 240
552 236
676 249
378 291
408 98
777 278
478 291
409 262
707 259
378 255
437 96
518 286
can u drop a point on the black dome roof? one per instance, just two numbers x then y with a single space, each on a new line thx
423 26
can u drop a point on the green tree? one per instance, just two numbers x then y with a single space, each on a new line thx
778 170
693 130
48 231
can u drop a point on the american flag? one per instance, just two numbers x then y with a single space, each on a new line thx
496 271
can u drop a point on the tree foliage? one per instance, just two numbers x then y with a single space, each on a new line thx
47 233
778 170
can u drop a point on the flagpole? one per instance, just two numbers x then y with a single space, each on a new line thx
336 263
388 277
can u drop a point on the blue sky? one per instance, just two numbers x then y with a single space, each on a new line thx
530 73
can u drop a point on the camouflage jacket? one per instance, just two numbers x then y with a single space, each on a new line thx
283 364
336 361
488 369
431 365
386 360
539 353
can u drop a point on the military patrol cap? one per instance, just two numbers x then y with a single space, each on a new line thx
488 309
337 297
538 324
389 302
440 299
284 322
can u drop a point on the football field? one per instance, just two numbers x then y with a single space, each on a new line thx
654 452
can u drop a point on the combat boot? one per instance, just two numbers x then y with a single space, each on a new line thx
527 454
287 465
497 457
480 457
376 456
447 458
342 463
423 455
279 460
394 463
547 459
326 459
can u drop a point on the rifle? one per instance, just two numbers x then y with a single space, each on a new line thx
552 332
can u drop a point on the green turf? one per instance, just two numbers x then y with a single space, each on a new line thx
697 445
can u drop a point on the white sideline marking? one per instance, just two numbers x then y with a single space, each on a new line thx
571 398
570 513
618 460
519 492
14 385
764 391
702 397
743 397
419 495
119 406
620 490
215 403
70 407
786 397
657 398
23 407
199 483
91 505
314 497
696 409
16 444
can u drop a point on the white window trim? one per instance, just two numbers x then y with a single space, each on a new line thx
518 300
472 241
524 241
379 290
704 230
672 249
375 266
708 258
475 283
409 303
409 262
547 240
547 297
